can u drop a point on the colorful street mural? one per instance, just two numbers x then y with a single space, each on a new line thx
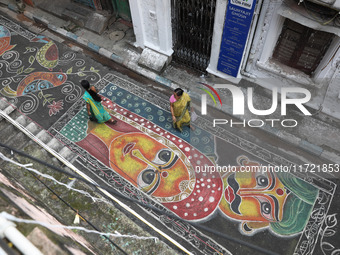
37 75
162 165
5 40
153 158
264 198
143 157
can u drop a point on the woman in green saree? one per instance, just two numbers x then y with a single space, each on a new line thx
179 107
94 106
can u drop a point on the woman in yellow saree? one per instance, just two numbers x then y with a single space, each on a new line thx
179 107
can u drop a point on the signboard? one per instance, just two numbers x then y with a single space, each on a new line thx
235 32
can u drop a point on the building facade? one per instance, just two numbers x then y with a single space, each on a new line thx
296 43
272 43
288 43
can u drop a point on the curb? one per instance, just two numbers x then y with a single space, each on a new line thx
102 51
287 137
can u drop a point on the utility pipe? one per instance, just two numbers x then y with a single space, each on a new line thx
8 230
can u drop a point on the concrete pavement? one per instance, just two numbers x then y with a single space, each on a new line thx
192 196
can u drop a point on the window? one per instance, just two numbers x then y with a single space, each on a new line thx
301 47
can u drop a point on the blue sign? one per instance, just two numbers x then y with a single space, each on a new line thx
235 33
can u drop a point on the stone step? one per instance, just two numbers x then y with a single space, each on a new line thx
7 132
3 103
79 14
44 136
18 141
84 17
55 145
12 136
69 155
7 110
23 120
33 128
53 7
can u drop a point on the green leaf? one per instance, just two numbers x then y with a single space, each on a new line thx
31 59
28 70
69 71
50 100
82 69
81 74
20 70
48 95
93 70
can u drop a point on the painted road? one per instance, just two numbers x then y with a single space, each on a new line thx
195 175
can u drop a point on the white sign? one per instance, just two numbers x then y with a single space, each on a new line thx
248 4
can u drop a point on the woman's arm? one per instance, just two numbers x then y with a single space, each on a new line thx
172 112
88 107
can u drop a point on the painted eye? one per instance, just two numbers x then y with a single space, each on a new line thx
262 181
266 208
148 180
148 176
163 157
60 77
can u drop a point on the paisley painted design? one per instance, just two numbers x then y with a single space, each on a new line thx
5 40
48 55
39 81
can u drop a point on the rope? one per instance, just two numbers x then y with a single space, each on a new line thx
170 216
47 225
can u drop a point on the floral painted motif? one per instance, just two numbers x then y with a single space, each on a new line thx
55 107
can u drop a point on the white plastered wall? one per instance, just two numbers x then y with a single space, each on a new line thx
324 84
152 24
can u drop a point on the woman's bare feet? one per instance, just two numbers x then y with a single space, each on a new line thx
113 121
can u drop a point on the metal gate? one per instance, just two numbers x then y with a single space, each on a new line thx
95 4
122 9
192 30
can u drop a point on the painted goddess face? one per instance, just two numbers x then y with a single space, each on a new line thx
253 196
148 164
157 163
